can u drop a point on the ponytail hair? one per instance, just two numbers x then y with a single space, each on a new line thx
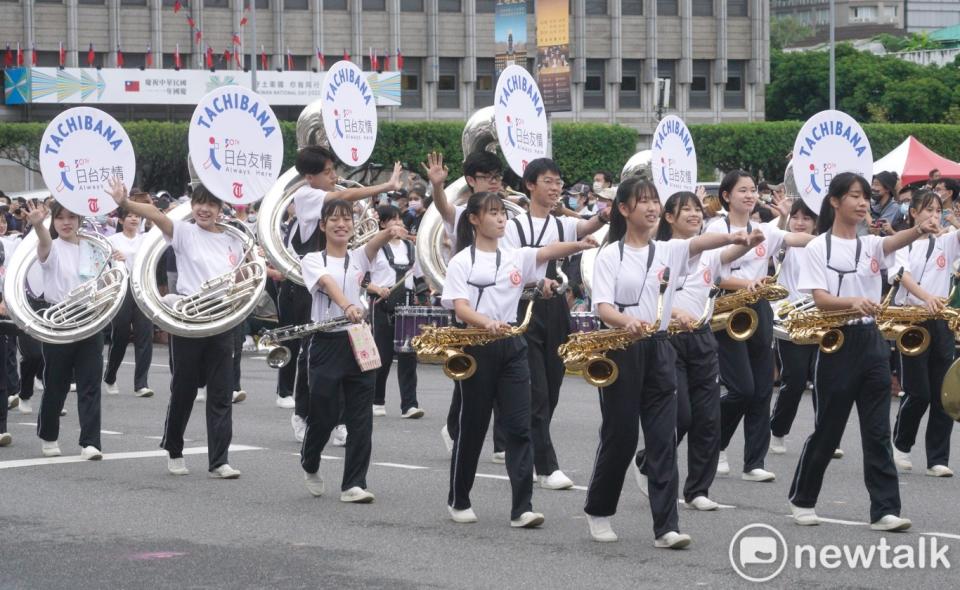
629 191
920 201
477 204
330 208
839 187
674 204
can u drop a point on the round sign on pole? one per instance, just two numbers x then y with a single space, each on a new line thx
521 118
349 113
81 149
829 143
235 144
673 159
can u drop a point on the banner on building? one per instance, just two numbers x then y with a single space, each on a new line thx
510 34
553 53
187 87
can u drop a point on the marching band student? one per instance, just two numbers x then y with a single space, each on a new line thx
203 251
746 368
64 268
551 316
843 274
796 360
127 243
394 262
333 276
645 392
483 286
9 376
483 173
317 166
698 388
927 268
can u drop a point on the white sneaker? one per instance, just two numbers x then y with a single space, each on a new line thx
642 482
340 436
177 466
777 445
703 503
758 475
13 401
838 453
466 516
527 520
891 523
498 457
314 483
239 396
723 468
25 406
902 460
356 495
63 412
91 453
299 427
804 516
143 392
113 389
600 529
37 384
940 471
225 472
50 448
672 540
412 413
73 387
287 403
447 441
555 481
201 394
248 344
5 439
379 410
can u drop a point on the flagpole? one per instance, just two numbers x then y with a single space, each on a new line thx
253 50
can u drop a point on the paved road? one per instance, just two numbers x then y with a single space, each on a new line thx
125 523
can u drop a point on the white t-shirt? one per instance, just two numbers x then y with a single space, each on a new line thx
61 270
308 206
752 265
932 272
126 246
793 261
347 273
502 286
452 229
694 289
202 255
9 244
864 282
623 283
383 275
539 231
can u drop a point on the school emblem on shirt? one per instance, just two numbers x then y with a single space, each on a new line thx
660 274
707 277
874 266
232 259
515 277
761 250
941 261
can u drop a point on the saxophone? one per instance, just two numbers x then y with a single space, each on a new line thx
732 314
280 355
584 351
445 344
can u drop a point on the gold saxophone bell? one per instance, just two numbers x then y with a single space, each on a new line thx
831 340
739 324
599 371
950 391
459 365
910 340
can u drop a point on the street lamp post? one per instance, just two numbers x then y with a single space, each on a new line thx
833 58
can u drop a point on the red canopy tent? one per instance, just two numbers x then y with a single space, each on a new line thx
913 161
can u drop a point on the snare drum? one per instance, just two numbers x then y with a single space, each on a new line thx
583 321
410 319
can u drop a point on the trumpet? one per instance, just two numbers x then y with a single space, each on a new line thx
585 351
732 314
279 356
445 344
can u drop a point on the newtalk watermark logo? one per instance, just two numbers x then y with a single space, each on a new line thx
759 553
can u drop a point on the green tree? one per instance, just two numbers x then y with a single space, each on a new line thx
787 30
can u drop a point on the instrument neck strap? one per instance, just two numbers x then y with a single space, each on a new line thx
481 287
552 265
400 269
931 242
651 251
842 273
343 285
749 231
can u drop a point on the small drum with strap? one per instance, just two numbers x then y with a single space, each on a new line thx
410 319
583 321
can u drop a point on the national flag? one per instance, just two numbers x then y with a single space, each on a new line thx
236 39
386 61
191 22
131 86
198 36
19 56
263 58
321 59
176 58
227 57
148 58
243 19
209 57
33 55
90 56
8 58
63 55
346 55
119 56
237 57
289 60
177 6
399 59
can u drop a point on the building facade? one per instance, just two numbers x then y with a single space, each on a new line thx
930 15
713 53
854 19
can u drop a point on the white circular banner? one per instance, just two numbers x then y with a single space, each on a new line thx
349 113
673 159
829 143
521 118
235 144
81 149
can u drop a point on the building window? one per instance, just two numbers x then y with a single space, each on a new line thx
99 2
448 5
667 8
168 61
448 83
334 4
211 3
667 68
411 5
296 4
486 6
733 92
630 83
700 86
380 5
411 91
596 7
863 14
631 7
133 2
736 7
702 7
890 12
48 59
486 82
593 87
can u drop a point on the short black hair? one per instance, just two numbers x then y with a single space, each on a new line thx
607 177
387 212
202 195
537 168
313 159
482 163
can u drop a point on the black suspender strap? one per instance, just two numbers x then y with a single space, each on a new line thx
931 242
651 251
552 265
400 269
523 238
842 273
343 285
749 231
481 288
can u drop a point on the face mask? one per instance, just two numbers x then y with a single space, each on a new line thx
904 208
597 187
414 205
572 202
601 205
252 217
875 195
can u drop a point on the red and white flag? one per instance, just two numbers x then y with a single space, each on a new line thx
19 56
119 56
289 60
177 64
63 55
321 59
90 56
209 57
263 58
177 6
148 58
399 59
33 55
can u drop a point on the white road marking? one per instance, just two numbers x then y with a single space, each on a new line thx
946 535
114 432
718 504
34 424
836 521
401 466
113 456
